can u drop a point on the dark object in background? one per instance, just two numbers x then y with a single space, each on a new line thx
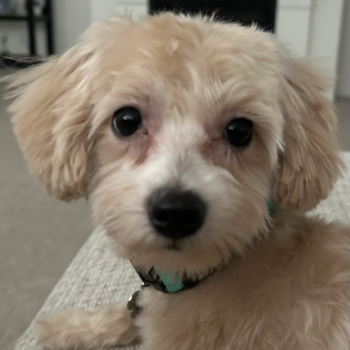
23 61
246 12
18 61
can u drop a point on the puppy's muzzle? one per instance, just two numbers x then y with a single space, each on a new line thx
176 214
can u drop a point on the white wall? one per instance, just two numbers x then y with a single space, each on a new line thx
104 9
71 19
290 12
343 85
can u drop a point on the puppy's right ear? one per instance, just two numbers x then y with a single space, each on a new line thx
51 120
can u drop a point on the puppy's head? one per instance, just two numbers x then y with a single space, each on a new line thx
179 131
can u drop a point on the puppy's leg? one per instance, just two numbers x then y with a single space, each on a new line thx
105 327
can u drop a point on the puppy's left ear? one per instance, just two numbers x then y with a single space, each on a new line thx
310 162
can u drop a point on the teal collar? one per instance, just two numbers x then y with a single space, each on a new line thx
168 282
171 282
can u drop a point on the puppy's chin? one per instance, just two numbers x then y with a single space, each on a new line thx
174 246
189 256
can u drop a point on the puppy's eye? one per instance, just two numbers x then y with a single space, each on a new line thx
126 121
239 132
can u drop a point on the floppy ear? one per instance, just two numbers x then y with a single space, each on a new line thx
310 162
51 121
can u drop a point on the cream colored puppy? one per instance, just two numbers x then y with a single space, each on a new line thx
181 132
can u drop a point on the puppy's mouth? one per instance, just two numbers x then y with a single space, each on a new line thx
174 246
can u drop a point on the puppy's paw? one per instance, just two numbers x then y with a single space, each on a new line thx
106 327
63 330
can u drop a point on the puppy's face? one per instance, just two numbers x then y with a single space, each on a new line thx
176 129
189 133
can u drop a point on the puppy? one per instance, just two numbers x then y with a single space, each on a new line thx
182 132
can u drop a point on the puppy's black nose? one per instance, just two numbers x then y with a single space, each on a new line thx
176 214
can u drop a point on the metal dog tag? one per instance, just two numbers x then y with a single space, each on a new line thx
132 306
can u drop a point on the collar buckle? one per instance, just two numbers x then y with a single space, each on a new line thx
151 278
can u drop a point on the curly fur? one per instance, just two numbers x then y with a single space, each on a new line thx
288 286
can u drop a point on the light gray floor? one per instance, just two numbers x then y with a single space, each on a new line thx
39 236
